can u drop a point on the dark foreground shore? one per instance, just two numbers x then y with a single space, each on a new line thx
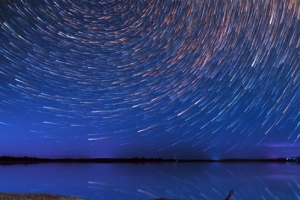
10 196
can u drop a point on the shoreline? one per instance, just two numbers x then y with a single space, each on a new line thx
36 196
8 160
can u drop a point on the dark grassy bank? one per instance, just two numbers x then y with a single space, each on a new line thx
10 196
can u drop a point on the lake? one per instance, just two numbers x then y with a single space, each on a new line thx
149 181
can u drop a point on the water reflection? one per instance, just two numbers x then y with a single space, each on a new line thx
149 181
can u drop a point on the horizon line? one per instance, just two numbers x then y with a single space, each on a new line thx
140 160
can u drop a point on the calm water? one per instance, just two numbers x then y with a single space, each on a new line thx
149 181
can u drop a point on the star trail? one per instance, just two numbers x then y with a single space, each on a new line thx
185 79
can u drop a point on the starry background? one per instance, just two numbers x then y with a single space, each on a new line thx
171 79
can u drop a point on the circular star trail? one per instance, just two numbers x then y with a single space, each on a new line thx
150 78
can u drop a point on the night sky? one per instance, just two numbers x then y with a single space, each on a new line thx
172 79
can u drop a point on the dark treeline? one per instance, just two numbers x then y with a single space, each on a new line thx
26 159
33 160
